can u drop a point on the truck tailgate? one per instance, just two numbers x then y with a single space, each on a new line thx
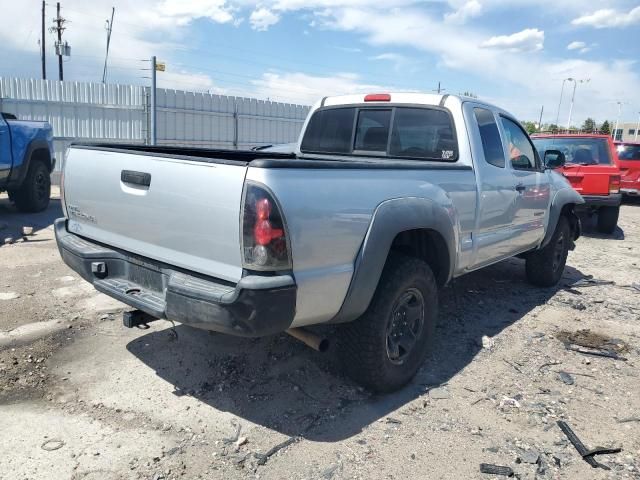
188 216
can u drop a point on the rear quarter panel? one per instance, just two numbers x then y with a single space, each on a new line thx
328 213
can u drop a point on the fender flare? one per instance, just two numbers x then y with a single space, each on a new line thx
17 175
391 218
563 197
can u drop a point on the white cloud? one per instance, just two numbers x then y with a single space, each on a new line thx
262 18
608 18
307 89
470 9
398 61
184 11
528 40
576 46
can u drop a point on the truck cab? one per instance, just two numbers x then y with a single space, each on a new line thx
26 162
591 166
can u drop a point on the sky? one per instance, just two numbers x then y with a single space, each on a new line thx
515 54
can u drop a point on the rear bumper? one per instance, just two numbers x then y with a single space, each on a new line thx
612 200
256 306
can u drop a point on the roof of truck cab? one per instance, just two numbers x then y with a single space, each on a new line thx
569 135
412 98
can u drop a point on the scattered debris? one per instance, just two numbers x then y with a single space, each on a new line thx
529 456
52 444
487 342
393 420
9 295
587 455
496 470
9 240
587 338
439 394
513 365
241 441
595 352
26 231
263 457
509 402
566 378
591 282
628 419
548 364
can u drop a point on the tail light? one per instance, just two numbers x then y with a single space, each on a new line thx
614 184
264 237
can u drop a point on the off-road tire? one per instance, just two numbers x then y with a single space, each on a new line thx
35 191
363 343
545 267
608 219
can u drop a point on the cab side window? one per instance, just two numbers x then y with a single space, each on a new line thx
491 143
521 152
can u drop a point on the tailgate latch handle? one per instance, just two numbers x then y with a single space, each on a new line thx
136 178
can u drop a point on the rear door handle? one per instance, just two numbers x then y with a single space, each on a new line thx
520 188
135 178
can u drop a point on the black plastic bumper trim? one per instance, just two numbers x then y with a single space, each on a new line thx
612 200
256 306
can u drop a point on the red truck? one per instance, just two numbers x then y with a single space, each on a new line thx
591 166
629 161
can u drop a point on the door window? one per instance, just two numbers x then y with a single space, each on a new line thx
521 152
491 143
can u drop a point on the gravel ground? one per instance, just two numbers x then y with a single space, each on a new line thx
81 397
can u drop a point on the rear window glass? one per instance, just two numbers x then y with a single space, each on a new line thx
372 131
329 131
581 151
628 152
406 132
423 133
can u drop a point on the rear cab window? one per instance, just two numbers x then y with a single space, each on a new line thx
421 133
579 151
628 151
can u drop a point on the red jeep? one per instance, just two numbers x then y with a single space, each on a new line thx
629 161
591 166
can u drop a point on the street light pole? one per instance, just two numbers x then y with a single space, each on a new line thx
637 127
615 132
560 102
573 96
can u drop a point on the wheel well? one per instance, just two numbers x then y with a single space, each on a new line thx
42 155
427 245
568 211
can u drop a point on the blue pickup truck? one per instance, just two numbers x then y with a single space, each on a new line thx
26 162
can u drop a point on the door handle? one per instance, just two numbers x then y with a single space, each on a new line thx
136 178
520 188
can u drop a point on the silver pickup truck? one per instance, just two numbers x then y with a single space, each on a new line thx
387 198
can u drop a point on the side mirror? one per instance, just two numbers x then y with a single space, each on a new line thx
554 159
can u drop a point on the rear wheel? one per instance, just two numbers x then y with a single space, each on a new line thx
608 219
34 193
383 349
544 267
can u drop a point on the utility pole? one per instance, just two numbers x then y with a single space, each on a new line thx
106 56
61 49
154 136
43 54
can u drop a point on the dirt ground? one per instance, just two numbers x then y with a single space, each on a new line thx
82 397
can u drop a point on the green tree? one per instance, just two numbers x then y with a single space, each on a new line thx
552 127
589 125
606 128
530 127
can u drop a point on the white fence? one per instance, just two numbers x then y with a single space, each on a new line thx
120 113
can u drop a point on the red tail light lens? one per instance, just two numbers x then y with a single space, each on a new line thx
614 184
264 241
